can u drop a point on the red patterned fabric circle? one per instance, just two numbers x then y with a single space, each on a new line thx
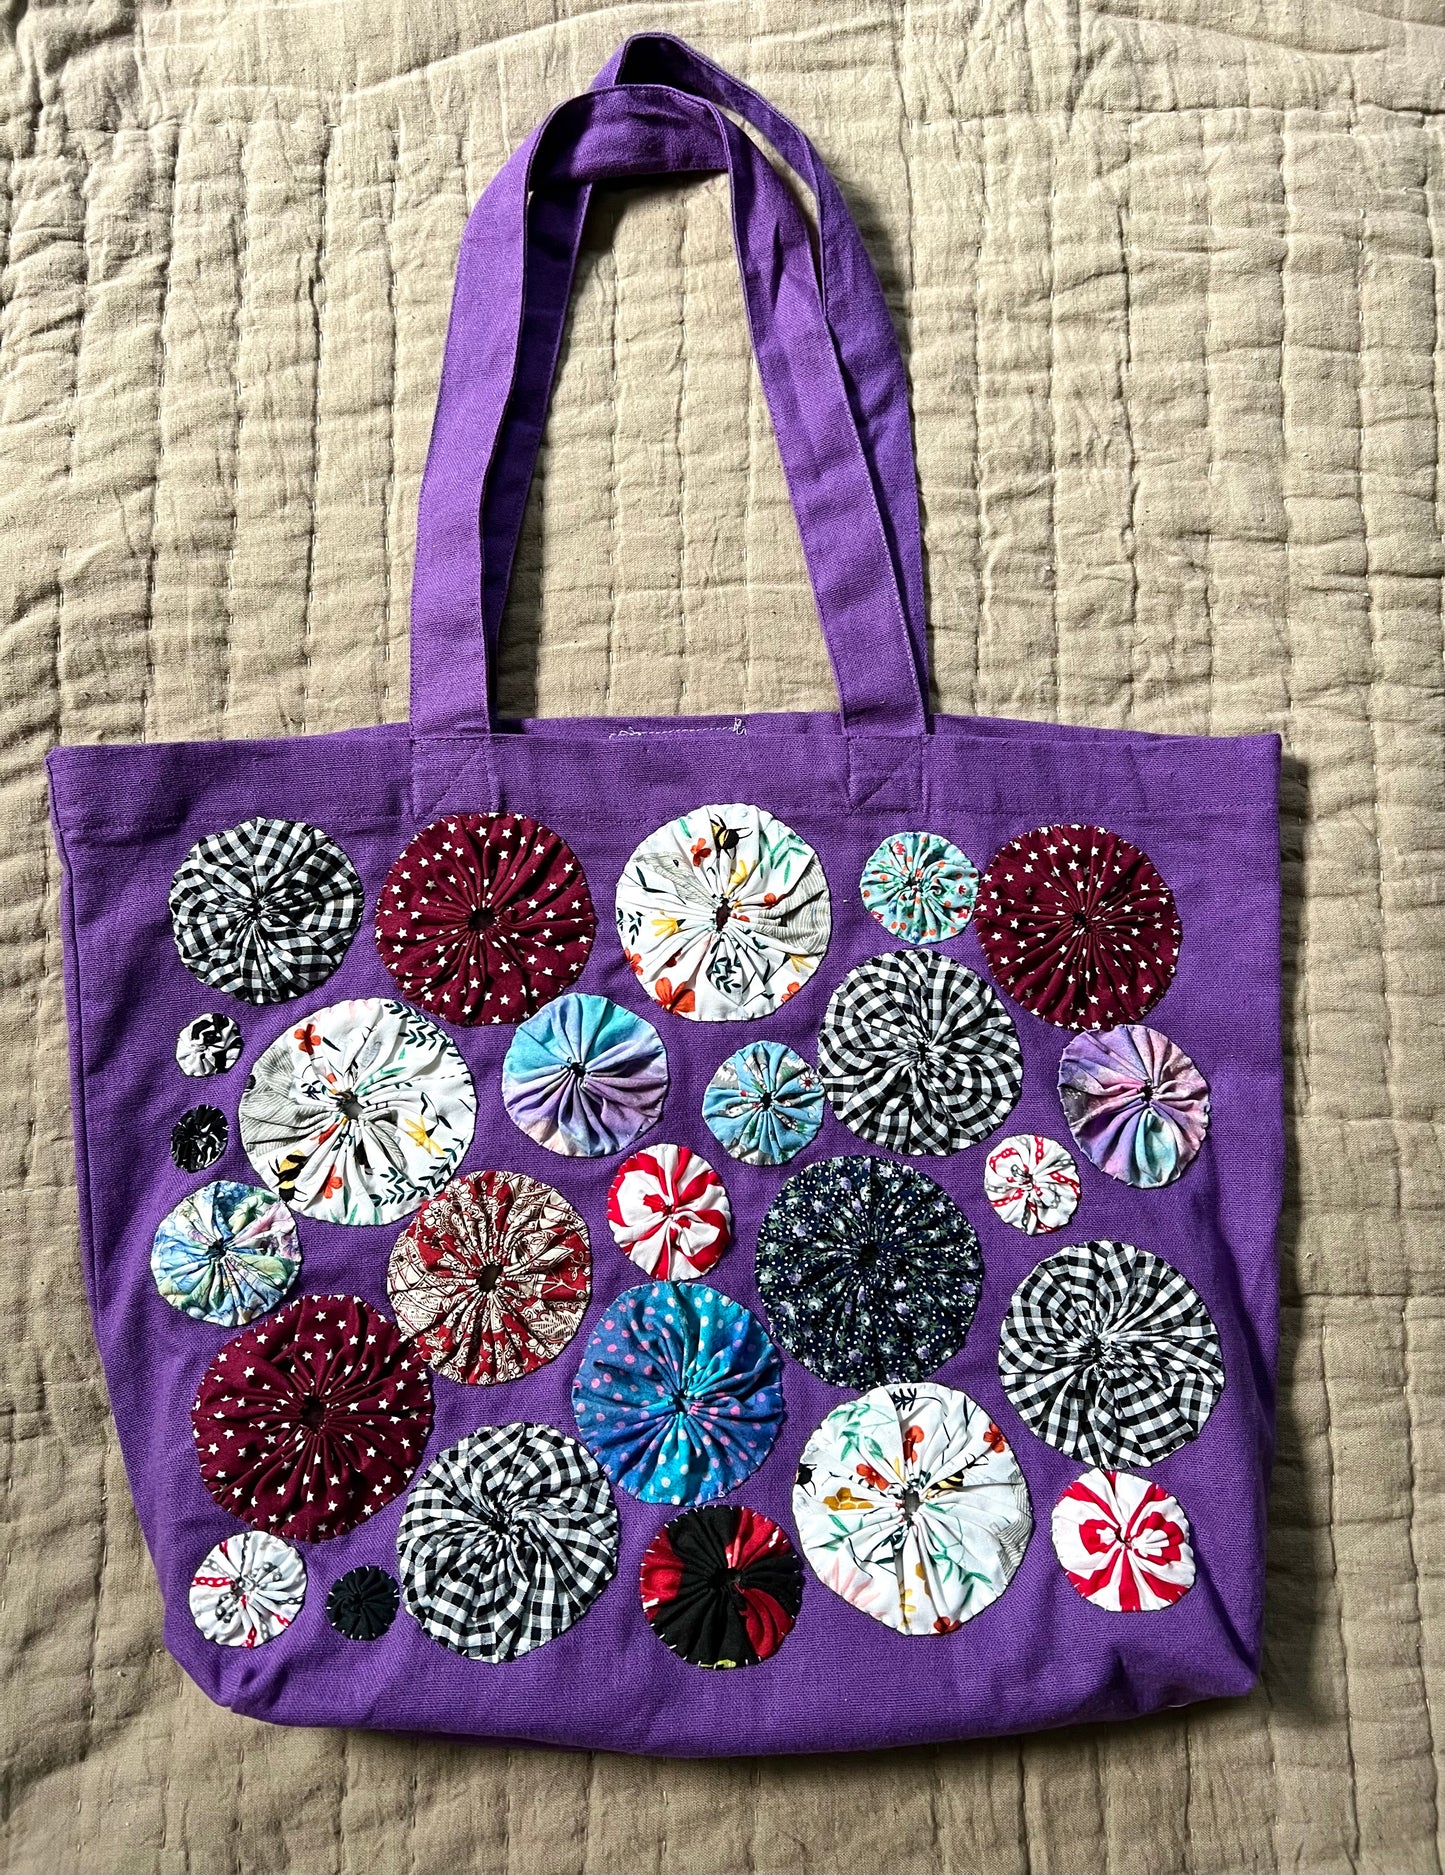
1078 926
308 1423
491 1278
669 1212
485 917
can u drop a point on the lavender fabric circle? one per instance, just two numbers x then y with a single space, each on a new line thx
1135 1102
585 1077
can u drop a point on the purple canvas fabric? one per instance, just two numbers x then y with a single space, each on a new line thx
1204 811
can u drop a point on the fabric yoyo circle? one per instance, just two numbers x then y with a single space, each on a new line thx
723 913
1123 1542
249 1589
359 1112
226 1254
680 1393
669 1212
721 1586
868 1270
507 1539
199 1138
362 1604
764 1104
490 1279
485 917
585 1077
1136 1104
265 910
208 1045
910 1505
1108 1353
310 1422
920 887
1032 1182
1078 926
918 1054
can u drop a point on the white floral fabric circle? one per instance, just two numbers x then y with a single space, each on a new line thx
1032 1182
358 1112
669 1212
248 1590
910 1505
723 913
1123 1542
919 887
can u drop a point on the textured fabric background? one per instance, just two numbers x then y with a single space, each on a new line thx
1169 275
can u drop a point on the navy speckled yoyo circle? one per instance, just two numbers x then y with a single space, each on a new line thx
869 1271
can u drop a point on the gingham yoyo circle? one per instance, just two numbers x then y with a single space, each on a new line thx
1108 1353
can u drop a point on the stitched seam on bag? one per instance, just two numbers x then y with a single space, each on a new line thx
79 1080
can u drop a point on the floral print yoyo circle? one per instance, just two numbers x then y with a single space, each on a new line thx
920 887
918 1054
680 1393
868 1270
248 1589
265 910
910 1505
669 1212
1032 1182
310 1422
585 1077
1123 1542
1136 1104
507 1539
359 1112
1078 926
226 1254
721 1586
764 1104
485 917
1109 1354
490 1279
724 913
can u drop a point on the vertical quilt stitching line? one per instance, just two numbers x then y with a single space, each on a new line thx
317 297
152 550
241 242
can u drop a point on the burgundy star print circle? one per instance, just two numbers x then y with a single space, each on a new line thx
308 1423
485 917
1078 926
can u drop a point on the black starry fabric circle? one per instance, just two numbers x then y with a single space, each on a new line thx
1110 1355
363 1604
869 1271
199 1138
265 910
918 1054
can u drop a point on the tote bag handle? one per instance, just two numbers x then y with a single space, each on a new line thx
512 280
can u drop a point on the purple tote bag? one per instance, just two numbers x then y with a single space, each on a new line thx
685 1236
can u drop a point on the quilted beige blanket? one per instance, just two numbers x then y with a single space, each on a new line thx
1169 275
